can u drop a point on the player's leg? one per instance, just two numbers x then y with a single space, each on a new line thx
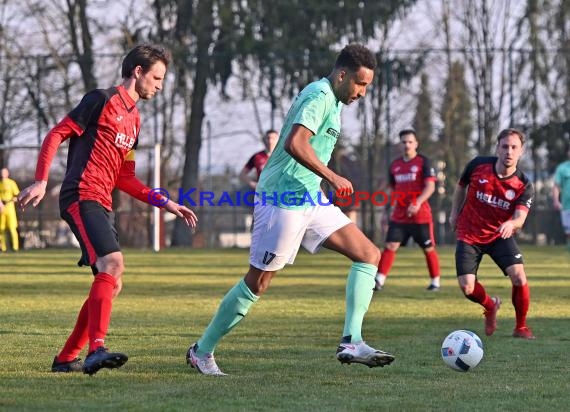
333 230
15 241
565 216
3 247
12 226
423 236
94 228
396 233
508 257
467 260
275 241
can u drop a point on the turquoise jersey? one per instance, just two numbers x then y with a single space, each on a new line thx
286 183
562 180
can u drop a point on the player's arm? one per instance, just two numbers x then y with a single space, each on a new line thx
522 206
245 174
509 228
556 197
429 188
61 132
128 182
298 146
457 204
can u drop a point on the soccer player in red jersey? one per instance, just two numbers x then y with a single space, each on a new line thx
103 134
413 181
491 202
258 160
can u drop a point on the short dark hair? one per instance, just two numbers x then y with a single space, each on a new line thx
507 132
144 55
267 133
354 56
409 130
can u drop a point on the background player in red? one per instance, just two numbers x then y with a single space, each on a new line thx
491 202
412 180
258 160
103 134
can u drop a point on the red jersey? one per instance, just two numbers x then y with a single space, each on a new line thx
257 162
408 179
490 201
104 128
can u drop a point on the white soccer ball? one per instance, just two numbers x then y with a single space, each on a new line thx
462 350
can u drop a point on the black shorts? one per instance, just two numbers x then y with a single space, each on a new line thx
504 252
94 228
401 233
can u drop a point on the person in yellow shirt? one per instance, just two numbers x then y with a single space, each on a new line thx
8 218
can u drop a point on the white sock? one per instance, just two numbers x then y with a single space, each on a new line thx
380 278
435 282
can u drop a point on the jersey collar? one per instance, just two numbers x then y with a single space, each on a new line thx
127 99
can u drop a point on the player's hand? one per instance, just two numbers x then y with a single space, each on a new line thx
556 204
33 193
182 212
342 187
507 229
453 222
413 210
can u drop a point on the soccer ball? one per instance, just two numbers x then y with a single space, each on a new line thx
462 350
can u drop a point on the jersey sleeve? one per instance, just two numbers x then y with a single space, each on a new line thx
526 199
428 171
57 135
466 175
312 111
88 110
15 188
250 163
128 182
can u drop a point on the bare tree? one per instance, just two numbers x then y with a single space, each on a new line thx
486 38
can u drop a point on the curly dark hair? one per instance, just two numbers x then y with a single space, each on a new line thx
144 55
354 56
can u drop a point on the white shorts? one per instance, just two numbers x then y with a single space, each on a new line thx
278 233
565 216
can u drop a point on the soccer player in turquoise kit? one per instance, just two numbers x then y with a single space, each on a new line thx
561 195
285 218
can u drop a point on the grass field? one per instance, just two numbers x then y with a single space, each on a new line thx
282 356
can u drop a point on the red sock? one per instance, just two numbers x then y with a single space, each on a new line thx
521 302
480 296
432 260
386 261
78 338
100 305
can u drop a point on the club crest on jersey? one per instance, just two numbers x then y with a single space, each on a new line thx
123 141
510 194
493 200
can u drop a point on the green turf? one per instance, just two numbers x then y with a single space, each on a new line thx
282 356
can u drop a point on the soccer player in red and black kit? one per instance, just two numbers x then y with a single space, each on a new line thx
413 181
258 160
103 134
491 202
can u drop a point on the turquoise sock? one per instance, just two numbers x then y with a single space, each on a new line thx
359 290
233 308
